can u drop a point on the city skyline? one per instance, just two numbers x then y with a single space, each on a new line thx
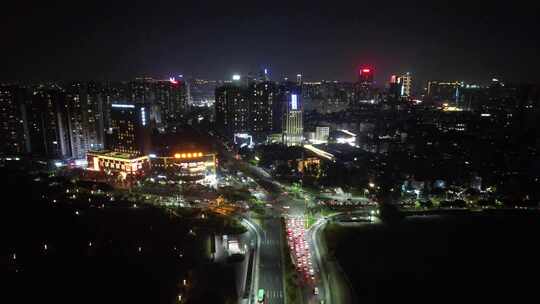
269 153
321 42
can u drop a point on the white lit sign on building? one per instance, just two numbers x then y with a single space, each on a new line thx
236 77
123 106
143 116
294 102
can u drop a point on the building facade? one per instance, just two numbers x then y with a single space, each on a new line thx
13 124
292 119
130 132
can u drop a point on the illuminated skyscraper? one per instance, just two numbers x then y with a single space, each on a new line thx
130 131
290 97
405 82
85 118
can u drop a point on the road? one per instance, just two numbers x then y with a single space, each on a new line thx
270 266
332 284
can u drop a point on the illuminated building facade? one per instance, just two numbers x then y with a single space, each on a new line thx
260 107
232 108
13 128
309 166
130 132
293 126
322 134
405 83
119 164
85 118
187 166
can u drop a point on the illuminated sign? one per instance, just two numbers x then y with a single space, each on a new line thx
173 80
188 155
236 77
366 70
294 102
123 106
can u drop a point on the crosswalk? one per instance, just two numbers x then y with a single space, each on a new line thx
274 294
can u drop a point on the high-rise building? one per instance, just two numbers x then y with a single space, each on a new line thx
364 89
366 76
262 95
130 131
48 123
260 108
293 127
166 100
85 118
232 107
405 82
13 127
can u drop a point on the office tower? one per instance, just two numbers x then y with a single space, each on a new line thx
13 127
299 79
366 76
130 130
232 107
293 128
85 119
405 82
261 97
364 91
48 123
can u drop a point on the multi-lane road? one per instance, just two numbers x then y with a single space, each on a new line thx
268 267
270 263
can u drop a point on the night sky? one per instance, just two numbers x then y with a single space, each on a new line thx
57 40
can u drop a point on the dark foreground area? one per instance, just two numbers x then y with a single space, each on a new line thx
450 259
61 244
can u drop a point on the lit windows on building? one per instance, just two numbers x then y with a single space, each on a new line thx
117 163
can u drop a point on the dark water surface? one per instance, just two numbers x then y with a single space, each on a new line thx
448 259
